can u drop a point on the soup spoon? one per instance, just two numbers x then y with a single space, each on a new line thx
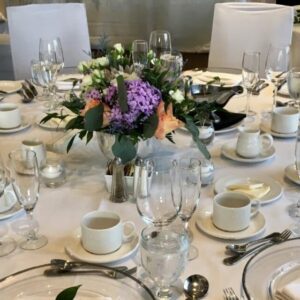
195 287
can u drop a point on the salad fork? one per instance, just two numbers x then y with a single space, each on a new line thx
229 294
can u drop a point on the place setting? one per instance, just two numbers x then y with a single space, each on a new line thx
251 146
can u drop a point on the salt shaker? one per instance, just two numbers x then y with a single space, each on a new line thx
118 187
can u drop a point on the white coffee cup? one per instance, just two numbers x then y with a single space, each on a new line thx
285 120
10 116
251 143
103 232
38 147
233 211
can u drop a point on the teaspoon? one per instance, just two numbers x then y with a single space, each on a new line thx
195 287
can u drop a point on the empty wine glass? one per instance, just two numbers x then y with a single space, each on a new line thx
250 74
160 42
154 194
277 65
26 185
173 63
139 55
164 256
293 81
186 191
51 54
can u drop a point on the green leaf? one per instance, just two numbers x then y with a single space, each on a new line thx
94 118
71 143
68 294
89 136
150 126
49 117
122 95
192 128
124 148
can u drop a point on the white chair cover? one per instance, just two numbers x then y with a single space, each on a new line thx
28 23
239 27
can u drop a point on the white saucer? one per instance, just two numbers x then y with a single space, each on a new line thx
204 223
74 248
24 125
291 173
275 192
229 151
10 86
266 127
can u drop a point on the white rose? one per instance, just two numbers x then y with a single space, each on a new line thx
119 48
87 80
177 95
82 66
98 73
102 61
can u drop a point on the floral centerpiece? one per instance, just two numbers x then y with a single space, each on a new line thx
115 100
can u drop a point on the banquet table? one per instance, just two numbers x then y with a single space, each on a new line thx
60 210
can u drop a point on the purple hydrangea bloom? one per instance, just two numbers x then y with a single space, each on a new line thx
142 100
93 94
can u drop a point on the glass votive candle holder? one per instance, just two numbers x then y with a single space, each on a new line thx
206 132
52 172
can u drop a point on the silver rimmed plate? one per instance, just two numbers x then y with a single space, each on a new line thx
33 284
271 269
275 187
229 151
10 87
74 248
205 224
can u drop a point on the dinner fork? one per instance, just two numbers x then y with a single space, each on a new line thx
229 294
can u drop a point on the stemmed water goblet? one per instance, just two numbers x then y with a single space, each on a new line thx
26 185
154 193
139 55
277 64
52 58
186 193
164 256
250 74
293 81
160 42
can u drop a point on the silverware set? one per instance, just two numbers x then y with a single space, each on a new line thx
244 250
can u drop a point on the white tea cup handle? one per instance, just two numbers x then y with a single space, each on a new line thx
255 206
130 227
266 142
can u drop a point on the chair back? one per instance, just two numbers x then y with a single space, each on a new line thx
248 26
28 23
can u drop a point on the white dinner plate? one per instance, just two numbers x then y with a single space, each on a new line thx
74 248
10 86
291 173
64 82
275 188
24 125
266 127
204 223
229 151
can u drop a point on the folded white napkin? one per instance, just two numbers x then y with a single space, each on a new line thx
284 90
226 79
252 190
8 200
289 292
65 82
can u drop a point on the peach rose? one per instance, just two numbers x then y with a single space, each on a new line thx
90 104
166 121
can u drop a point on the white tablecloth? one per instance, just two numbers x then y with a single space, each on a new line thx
60 210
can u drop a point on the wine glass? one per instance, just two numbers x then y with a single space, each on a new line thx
7 244
164 256
154 193
139 55
250 74
186 191
173 63
51 54
26 185
277 65
293 81
160 42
